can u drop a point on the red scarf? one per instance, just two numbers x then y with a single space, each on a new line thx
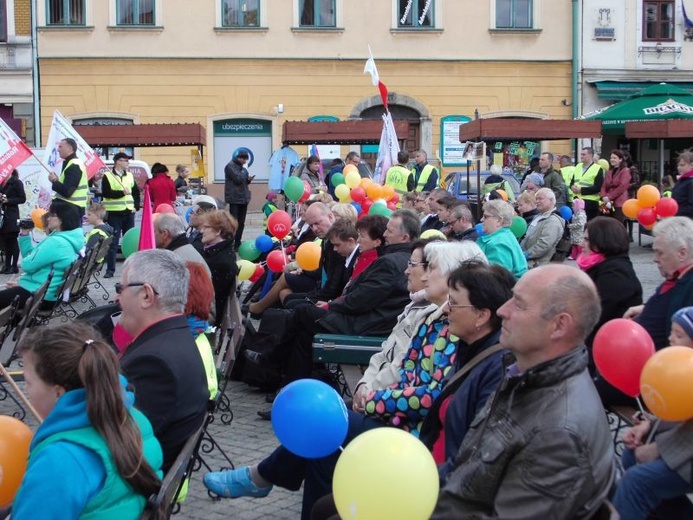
363 261
669 283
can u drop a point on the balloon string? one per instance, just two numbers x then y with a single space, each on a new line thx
653 430
341 448
637 400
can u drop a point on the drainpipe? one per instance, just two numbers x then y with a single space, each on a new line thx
35 75
576 64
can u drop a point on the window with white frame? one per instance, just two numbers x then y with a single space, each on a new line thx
415 13
135 12
514 14
317 13
240 13
65 12
658 20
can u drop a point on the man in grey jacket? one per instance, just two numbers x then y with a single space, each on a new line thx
544 232
541 448
236 190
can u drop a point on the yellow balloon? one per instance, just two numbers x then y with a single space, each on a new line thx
308 256
352 179
342 191
348 169
666 384
385 473
245 269
433 233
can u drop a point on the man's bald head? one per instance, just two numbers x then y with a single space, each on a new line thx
320 219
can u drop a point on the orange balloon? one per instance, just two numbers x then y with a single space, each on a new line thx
308 256
365 182
388 192
666 384
36 215
648 196
15 437
503 195
631 207
349 168
374 191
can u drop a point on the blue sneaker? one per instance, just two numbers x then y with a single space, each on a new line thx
234 483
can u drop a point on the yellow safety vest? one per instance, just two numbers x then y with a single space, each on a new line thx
587 179
425 174
567 173
397 177
123 203
81 194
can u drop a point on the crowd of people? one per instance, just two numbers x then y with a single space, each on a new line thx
487 357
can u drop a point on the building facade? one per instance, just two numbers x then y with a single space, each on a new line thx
242 68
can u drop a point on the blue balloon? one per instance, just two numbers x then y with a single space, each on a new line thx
566 213
264 243
357 206
310 418
479 230
187 215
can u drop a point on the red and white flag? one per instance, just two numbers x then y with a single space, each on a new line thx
62 129
13 151
388 149
371 69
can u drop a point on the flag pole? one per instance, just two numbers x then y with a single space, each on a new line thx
19 393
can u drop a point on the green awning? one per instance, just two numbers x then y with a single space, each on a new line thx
656 103
618 91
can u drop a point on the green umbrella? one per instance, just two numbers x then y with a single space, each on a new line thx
655 103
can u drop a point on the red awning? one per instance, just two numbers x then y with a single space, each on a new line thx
506 128
671 128
165 134
339 132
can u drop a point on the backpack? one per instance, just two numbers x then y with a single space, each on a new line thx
564 245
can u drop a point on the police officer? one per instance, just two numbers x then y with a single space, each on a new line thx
72 184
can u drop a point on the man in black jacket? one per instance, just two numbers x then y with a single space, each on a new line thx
163 362
236 190
72 184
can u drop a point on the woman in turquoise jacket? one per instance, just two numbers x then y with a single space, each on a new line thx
94 456
56 252
498 243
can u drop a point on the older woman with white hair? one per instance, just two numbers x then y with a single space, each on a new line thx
498 243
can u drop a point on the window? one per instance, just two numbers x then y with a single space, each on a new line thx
415 13
3 21
240 13
65 12
134 12
317 13
658 20
513 14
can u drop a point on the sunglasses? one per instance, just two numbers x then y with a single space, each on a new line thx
119 287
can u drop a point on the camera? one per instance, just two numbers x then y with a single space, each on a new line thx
26 223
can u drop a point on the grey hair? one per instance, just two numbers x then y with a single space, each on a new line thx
448 256
344 211
496 169
502 209
169 222
165 272
576 295
548 192
462 211
677 232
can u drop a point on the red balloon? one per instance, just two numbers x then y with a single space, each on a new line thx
279 224
666 207
366 205
647 216
257 274
621 348
391 205
358 194
276 260
395 198
164 208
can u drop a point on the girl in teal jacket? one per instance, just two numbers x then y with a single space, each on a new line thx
94 456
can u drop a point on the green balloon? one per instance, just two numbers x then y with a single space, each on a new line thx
518 227
249 251
380 209
130 241
293 188
337 179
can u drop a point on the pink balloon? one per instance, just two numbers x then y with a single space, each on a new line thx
164 208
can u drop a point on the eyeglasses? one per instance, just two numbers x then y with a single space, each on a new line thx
119 287
423 264
455 305
485 216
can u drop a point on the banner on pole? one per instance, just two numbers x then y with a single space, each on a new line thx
62 129
388 149
13 151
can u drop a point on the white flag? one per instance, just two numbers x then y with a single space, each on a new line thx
62 129
388 149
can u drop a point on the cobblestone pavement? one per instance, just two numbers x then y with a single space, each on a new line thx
248 439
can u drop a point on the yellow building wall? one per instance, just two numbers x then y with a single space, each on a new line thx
22 17
185 91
